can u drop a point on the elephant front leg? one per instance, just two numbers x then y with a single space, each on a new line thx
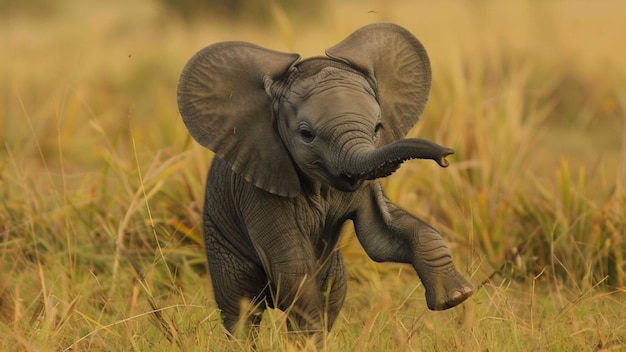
239 285
290 268
390 234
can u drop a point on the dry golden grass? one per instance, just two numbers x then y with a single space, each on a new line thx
101 187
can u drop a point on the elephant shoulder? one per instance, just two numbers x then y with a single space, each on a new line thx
220 173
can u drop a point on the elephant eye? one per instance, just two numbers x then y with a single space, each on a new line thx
307 135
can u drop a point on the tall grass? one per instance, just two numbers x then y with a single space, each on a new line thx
102 188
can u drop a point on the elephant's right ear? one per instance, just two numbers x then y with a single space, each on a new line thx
223 102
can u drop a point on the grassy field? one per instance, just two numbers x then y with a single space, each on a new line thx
101 187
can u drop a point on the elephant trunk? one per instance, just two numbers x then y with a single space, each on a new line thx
367 163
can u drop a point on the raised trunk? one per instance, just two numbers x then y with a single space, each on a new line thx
367 162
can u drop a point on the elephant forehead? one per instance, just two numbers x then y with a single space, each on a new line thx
329 78
333 92
337 102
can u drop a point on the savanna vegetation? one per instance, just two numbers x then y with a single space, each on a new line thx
101 187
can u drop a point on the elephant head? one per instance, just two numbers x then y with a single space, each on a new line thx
339 119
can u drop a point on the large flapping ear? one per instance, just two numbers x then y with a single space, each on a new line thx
223 102
399 65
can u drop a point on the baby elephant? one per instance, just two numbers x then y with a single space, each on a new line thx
299 147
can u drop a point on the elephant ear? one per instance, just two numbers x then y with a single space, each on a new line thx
398 64
224 104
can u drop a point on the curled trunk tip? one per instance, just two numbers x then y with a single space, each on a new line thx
442 161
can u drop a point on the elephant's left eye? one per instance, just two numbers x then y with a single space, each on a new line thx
307 135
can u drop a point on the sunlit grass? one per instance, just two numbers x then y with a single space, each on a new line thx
101 187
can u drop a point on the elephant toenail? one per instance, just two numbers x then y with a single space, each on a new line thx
455 295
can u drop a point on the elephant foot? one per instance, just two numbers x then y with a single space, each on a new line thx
448 291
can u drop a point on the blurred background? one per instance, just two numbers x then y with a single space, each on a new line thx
94 158
66 52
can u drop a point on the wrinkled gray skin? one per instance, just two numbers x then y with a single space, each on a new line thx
299 146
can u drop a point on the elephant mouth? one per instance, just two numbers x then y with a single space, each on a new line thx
346 183
342 182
